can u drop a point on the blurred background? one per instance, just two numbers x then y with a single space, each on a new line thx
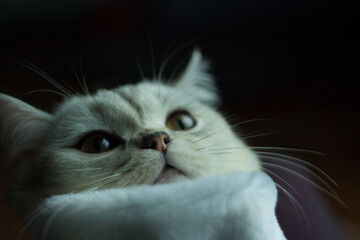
294 62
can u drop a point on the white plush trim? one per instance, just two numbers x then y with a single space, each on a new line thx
235 206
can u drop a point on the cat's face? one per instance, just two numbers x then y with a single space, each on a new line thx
146 133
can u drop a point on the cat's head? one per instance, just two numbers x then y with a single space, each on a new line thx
146 133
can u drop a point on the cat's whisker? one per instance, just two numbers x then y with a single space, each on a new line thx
77 77
258 135
211 147
250 121
96 182
283 180
209 135
255 148
21 226
165 56
204 137
138 65
27 221
223 148
299 160
42 73
111 182
87 187
234 125
297 206
152 56
230 117
222 152
51 219
172 55
287 149
307 180
304 169
47 90
39 71
175 70
201 148
83 76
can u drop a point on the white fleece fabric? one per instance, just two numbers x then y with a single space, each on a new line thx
233 206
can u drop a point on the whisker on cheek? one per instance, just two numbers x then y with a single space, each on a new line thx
297 207
306 180
97 182
302 168
25 223
51 219
283 156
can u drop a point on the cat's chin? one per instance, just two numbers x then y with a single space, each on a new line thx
169 175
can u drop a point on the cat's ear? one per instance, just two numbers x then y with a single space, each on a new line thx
197 81
22 128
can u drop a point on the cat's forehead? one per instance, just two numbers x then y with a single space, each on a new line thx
149 98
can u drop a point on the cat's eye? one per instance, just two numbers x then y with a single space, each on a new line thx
180 120
98 143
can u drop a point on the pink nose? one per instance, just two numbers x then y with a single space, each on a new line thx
157 141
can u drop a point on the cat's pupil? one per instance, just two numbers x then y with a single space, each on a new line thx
96 145
180 124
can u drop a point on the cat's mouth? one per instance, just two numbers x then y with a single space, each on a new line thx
169 174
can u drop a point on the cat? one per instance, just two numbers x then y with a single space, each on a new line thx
152 132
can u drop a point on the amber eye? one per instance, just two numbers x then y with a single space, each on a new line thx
180 121
98 143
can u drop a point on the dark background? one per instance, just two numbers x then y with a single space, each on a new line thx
295 62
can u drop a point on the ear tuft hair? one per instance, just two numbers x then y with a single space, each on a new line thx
22 127
197 81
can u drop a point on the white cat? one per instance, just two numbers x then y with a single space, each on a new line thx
148 133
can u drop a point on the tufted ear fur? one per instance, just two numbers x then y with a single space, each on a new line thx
22 128
197 81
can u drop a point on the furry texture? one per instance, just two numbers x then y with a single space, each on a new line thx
52 163
56 166
235 206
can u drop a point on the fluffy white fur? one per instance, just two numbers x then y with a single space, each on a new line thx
236 206
50 164
56 166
